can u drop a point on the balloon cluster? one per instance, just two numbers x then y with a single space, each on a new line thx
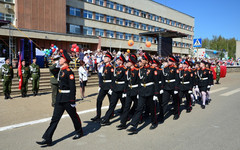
75 48
54 48
47 52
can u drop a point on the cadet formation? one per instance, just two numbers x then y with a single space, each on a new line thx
146 88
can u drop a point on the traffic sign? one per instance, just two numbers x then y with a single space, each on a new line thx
197 42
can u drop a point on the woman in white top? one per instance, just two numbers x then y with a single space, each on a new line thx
83 77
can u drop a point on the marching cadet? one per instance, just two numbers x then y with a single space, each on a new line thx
107 77
54 70
25 77
6 76
159 85
218 70
117 90
132 91
208 67
147 91
66 98
35 76
186 84
171 78
204 82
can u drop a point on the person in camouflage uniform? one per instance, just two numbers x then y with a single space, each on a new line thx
218 70
35 76
6 76
25 77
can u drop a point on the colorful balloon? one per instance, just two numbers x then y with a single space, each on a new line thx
148 44
128 51
130 43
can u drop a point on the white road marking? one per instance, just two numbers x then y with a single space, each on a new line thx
219 89
46 119
231 92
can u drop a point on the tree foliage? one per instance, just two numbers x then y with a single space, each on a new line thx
220 43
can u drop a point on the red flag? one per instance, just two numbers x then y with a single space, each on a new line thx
20 72
213 68
223 71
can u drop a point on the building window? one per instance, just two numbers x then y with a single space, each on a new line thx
1 16
182 26
110 34
156 29
136 38
144 27
128 10
110 19
162 20
151 16
167 21
128 23
99 2
119 7
144 39
156 18
189 28
136 12
119 35
128 36
150 40
74 29
186 27
177 24
173 23
74 11
119 21
87 14
144 14
99 32
87 31
9 1
150 28
136 25
99 17
89 1
110 4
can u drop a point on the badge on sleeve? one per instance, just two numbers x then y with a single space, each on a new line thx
155 72
71 76
112 70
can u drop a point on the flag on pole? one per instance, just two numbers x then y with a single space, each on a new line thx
20 72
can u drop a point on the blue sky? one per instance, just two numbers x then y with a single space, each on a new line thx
212 17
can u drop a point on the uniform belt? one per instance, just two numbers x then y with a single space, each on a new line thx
147 84
133 86
185 82
6 75
204 78
107 81
119 82
52 76
64 91
168 81
35 72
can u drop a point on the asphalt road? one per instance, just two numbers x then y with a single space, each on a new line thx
215 128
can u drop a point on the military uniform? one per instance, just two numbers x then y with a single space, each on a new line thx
185 86
107 77
35 76
6 75
54 70
25 76
66 98
218 70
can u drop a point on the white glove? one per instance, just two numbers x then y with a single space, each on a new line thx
196 86
31 79
190 92
137 96
175 92
57 64
209 86
161 92
99 89
124 95
155 98
2 80
19 80
73 105
110 92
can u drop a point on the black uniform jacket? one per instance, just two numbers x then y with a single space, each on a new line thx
186 79
132 81
119 84
107 76
171 78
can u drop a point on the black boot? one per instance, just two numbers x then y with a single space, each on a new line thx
6 97
96 119
34 94
9 96
122 126
45 142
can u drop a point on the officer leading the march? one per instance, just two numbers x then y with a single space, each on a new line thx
65 101
35 76
6 75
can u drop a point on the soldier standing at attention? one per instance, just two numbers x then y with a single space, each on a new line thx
6 75
218 70
25 77
35 76
66 98
54 69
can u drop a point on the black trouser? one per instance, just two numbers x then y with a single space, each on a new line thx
100 98
113 102
188 98
166 99
160 106
57 114
127 110
141 102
